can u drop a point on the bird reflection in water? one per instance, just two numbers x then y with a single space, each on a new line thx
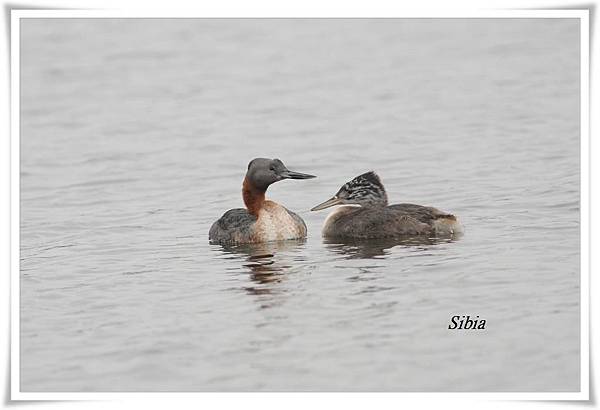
377 248
267 263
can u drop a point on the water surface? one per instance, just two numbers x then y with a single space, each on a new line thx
135 137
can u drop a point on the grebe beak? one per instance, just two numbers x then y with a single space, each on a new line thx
330 202
287 174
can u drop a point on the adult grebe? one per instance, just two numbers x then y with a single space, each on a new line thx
374 218
263 220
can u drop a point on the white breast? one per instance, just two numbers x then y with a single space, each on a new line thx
274 223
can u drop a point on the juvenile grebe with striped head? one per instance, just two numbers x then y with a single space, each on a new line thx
262 220
374 218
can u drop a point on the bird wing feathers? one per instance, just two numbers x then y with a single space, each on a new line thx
231 226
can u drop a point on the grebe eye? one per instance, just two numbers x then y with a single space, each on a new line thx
272 168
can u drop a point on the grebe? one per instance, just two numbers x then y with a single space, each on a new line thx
374 218
262 220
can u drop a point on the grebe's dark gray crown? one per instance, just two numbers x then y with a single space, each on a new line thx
365 189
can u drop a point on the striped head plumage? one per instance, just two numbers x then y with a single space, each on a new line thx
364 190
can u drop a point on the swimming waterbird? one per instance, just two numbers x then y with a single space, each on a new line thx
368 215
262 220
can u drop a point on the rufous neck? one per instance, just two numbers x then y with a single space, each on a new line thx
253 197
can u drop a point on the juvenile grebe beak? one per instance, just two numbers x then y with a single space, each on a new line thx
330 202
287 174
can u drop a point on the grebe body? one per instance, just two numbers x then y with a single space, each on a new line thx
367 215
262 220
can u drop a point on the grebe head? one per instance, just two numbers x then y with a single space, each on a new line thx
262 172
364 190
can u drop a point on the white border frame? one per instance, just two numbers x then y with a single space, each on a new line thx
582 15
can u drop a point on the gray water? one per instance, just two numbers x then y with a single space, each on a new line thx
136 135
